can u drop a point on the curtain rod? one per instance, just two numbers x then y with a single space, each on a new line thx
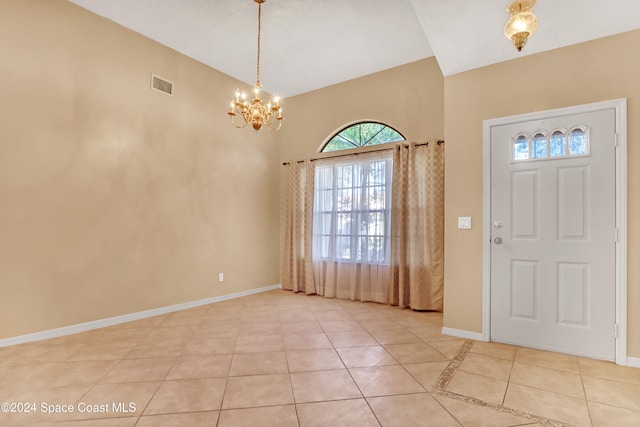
439 142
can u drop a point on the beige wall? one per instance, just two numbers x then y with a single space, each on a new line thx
115 198
409 98
595 71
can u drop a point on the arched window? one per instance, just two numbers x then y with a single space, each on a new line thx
578 141
521 148
556 142
362 134
539 149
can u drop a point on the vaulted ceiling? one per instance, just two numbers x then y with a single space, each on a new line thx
310 44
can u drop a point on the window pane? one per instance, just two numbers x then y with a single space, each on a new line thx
539 146
371 249
577 143
375 248
344 176
387 135
352 134
369 133
557 144
324 246
324 173
325 223
324 200
343 223
521 148
376 173
343 249
375 197
375 224
338 143
345 200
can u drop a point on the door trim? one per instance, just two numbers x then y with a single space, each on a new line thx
620 106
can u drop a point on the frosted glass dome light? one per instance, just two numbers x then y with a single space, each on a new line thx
522 22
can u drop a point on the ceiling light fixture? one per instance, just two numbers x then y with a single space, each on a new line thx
255 112
522 22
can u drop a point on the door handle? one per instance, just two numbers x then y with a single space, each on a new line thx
497 240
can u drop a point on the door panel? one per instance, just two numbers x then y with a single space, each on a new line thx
553 247
572 210
524 289
573 294
524 200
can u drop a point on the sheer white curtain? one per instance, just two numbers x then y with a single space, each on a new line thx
352 227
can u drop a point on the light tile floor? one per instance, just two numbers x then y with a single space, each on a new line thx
284 359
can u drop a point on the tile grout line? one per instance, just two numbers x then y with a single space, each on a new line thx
443 380
506 390
584 390
293 395
157 389
349 372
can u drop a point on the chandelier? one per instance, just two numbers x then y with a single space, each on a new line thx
522 22
254 111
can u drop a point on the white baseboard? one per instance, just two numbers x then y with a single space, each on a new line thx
477 336
96 324
633 362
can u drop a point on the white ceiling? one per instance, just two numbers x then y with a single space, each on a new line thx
310 44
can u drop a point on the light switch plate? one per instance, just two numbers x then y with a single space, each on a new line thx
464 223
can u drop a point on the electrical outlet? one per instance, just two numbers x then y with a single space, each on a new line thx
220 277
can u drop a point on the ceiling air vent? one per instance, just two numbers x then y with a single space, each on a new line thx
161 85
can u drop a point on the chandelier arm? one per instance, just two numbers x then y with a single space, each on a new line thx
272 128
237 126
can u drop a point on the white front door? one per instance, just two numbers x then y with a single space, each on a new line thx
553 238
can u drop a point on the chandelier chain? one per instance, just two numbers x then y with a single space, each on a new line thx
258 62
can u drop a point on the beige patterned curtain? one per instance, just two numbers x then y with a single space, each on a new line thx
417 249
297 268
